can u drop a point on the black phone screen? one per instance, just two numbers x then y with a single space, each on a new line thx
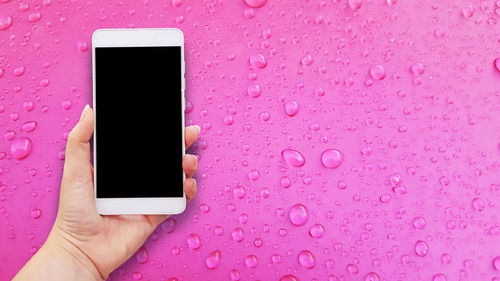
138 136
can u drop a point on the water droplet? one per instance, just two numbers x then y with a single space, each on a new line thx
289 278
5 22
255 3
377 72
194 241
445 258
293 157
496 263
20 147
372 276
239 192
257 60
299 214
352 268
419 223
317 231
332 158
237 234
82 46
418 69
142 255
251 261
213 259
439 277
421 248
29 126
291 108
137 275
355 4
36 213
468 11
478 204
496 63
307 259
34 17
168 225
254 90
306 60
18 71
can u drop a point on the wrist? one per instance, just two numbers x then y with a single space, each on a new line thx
60 246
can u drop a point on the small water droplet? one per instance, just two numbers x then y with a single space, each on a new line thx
293 157
496 64
307 259
306 60
289 278
237 234
468 11
34 17
239 192
352 268
29 126
251 261
418 68
496 263
421 248
36 213
18 71
332 158
299 214
168 225
254 90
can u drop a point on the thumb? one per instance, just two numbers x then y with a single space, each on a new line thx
77 160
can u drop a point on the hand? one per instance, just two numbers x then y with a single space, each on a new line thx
100 243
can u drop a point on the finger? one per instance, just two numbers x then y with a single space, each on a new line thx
190 188
191 133
77 159
189 164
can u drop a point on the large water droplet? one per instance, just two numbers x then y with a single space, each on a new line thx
439 277
257 60
299 214
291 108
20 147
317 231
194 241
332 158
421 248
255 3
419 223
213 259
142 255
372 276
251 261
306 259
239 192
29 126
293 157
496 263
377 72
5 22
355 4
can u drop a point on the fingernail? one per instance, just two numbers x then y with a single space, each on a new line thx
195 159
197 128
84 112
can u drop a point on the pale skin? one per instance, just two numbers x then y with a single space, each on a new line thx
82 244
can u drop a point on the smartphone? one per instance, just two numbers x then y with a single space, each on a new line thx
138 83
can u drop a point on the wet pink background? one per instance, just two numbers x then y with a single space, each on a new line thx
406 91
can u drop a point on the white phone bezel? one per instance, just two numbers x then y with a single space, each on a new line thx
138 38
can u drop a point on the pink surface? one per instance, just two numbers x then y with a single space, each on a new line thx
341 140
